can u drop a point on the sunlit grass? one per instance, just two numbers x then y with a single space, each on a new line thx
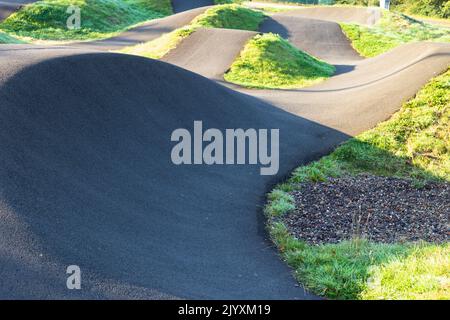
269 61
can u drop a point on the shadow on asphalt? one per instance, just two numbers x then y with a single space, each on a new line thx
85 167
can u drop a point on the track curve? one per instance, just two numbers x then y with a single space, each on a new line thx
146 32
86 177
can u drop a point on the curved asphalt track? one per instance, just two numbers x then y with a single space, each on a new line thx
86 176
185 5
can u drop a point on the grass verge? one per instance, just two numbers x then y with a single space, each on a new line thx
6 38
47 19
229 16
269 61
413 144
392 30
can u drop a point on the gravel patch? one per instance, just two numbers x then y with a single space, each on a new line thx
379 209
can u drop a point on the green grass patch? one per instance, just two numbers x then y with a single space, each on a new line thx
230 16
224 16
392 30
6 38
46 20
365 270
428 8
413 144
269 61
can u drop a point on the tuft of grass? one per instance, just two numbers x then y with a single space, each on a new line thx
280 203
224 16
392 30
269 61
424 274
230 16
364 270
6 38
46 19
414 144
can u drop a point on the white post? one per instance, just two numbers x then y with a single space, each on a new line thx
385 4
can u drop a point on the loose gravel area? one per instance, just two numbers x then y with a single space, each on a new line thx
379 209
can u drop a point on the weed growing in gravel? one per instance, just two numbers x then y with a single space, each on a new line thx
280 203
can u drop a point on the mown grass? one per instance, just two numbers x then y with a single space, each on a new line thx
6 38
391 31
47 19
224 16
269 61
413 144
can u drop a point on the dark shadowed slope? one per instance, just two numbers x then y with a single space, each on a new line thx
7 7
86 179
184 5
320 38
143 33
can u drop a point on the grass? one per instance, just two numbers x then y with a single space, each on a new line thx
158 48
269 61
6 38
225 16
413 144
427 8
46 19
391 31
230 16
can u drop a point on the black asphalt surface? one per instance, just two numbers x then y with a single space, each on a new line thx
7 7
185 5
221 49
146 32
86 179
320 38
86 176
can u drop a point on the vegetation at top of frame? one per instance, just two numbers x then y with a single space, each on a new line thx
428 8
415 144
228 1
269 61
392 30
47 19
228 16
